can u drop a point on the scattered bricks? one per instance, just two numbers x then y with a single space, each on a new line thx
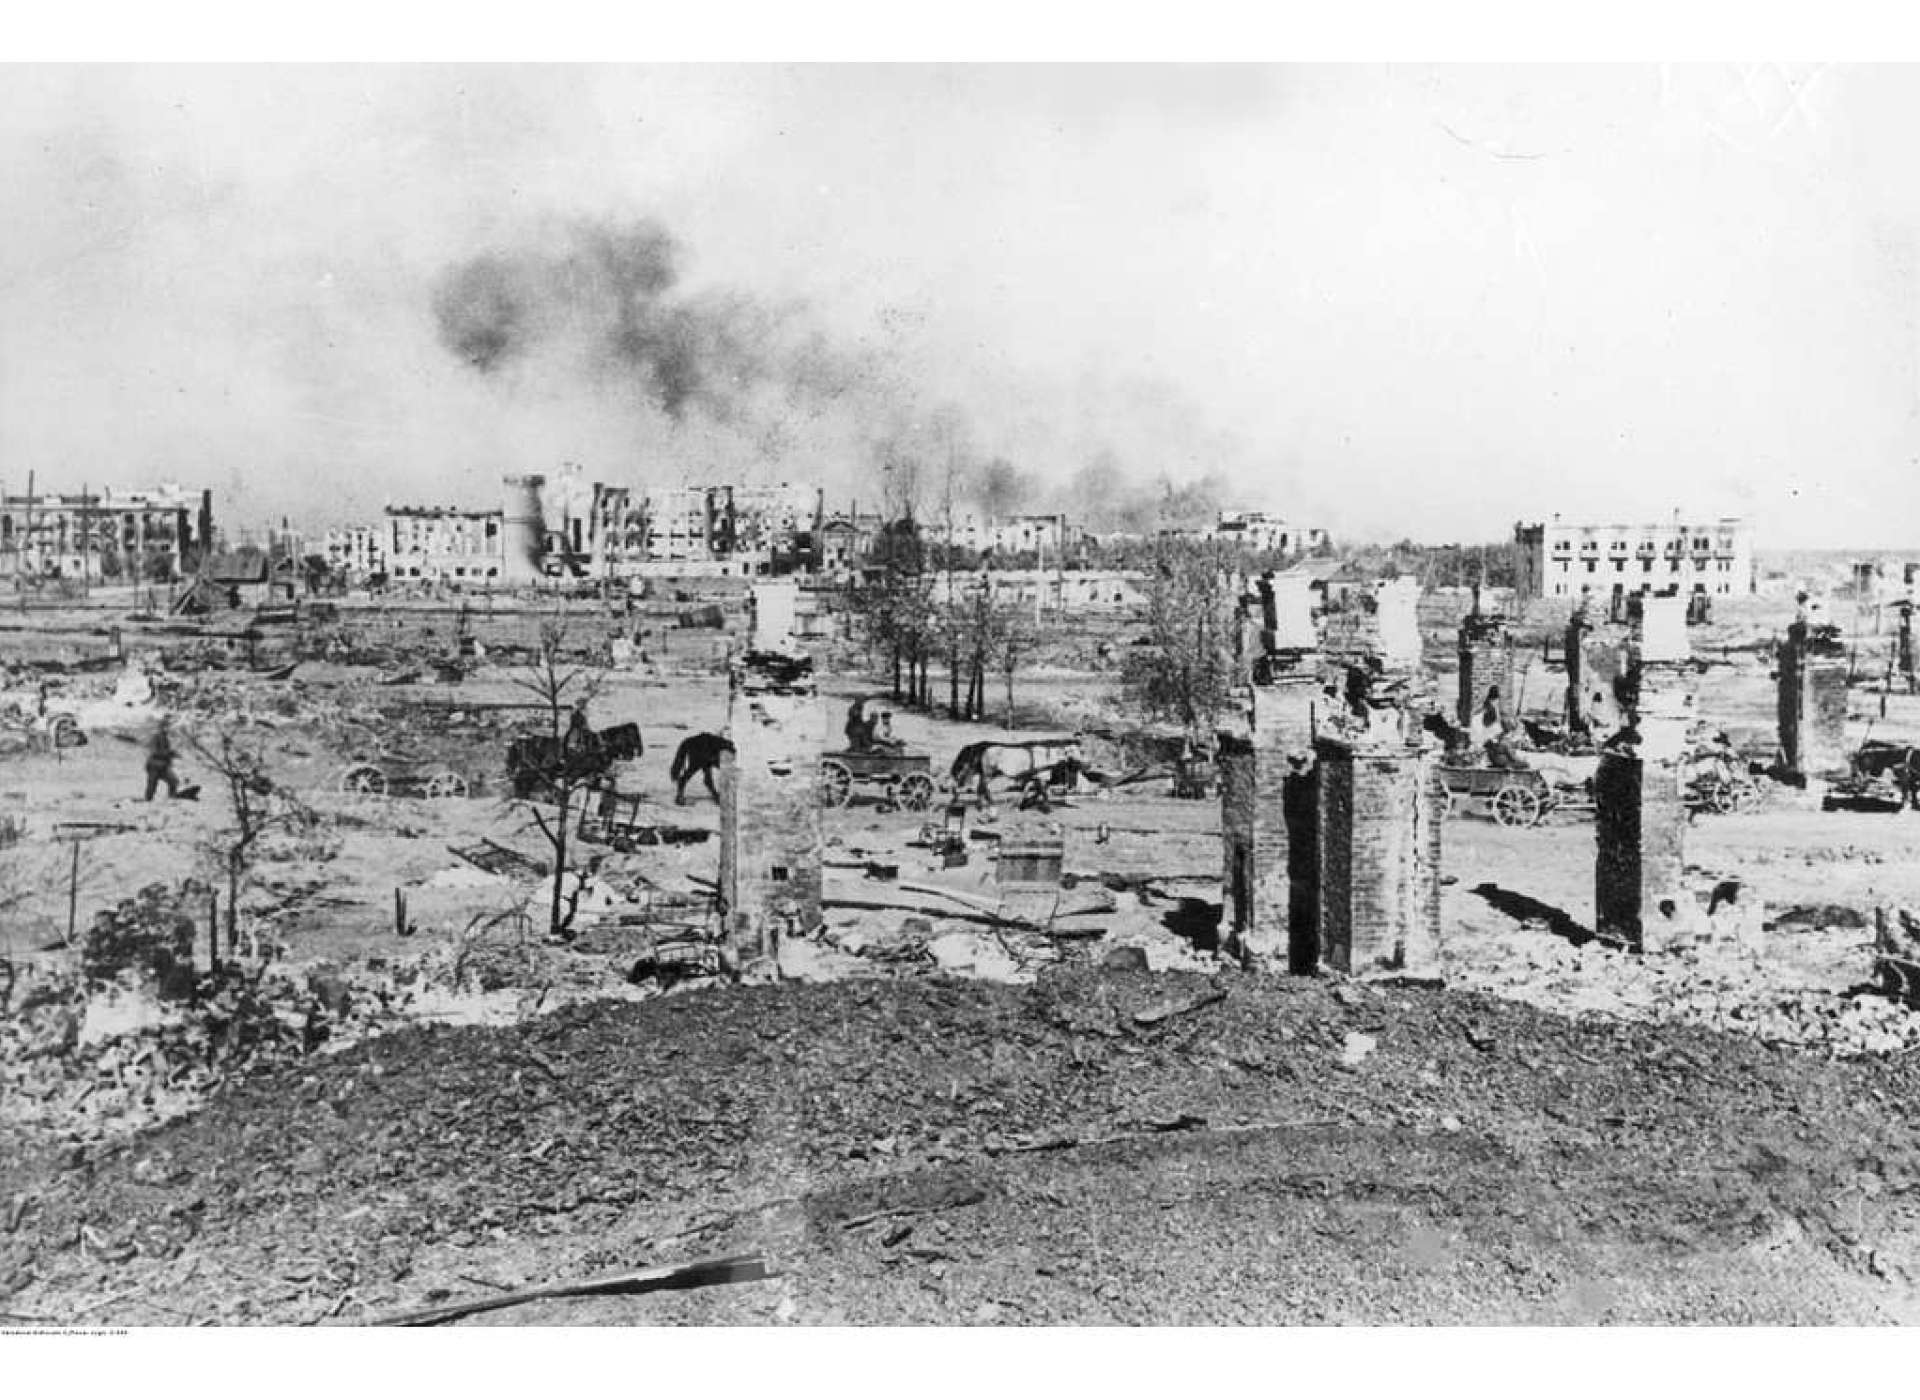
1267 814
1379 820
1812 704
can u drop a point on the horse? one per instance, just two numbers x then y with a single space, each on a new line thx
1014 760
698 754
537 761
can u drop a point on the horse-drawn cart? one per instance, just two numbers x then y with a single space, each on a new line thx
1517 797
905 778
539 766
402 775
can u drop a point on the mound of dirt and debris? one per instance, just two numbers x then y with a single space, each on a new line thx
1097 1146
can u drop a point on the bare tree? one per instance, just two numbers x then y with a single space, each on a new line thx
257 806
565 766
1014 638
1187 671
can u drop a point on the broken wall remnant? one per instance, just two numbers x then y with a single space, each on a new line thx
1903 642
1640 813
770 836
1574 646
1397 620
1267 815
1379 813
1486 666
1813 701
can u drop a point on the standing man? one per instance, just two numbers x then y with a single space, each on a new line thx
160 755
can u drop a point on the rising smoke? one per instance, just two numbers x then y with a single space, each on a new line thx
603 306
611 295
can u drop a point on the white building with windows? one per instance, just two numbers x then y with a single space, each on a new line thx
439 543
1260 533
1558 559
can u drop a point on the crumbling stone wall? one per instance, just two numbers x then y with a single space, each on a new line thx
1812 705
1379 820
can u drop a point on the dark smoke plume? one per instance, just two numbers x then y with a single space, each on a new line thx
612 293
482 310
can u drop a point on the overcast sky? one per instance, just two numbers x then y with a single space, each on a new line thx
1400 301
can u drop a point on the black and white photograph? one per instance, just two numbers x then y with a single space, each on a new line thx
931 694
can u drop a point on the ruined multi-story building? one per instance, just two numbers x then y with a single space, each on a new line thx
1261 533
1557 559
1038 534
356 550
443 544
154 535
564 526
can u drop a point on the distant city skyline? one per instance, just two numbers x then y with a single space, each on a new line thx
1396 302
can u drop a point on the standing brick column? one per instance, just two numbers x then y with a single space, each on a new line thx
1813 703
1640 818
1486 665
1267 815
770 838
1380 811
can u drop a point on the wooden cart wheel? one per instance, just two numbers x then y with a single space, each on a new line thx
916 792
1517 806
443 785
64 732
364 780
836 783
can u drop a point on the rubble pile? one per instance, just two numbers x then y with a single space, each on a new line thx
87 1063
379 1170
1719 988
143 1039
